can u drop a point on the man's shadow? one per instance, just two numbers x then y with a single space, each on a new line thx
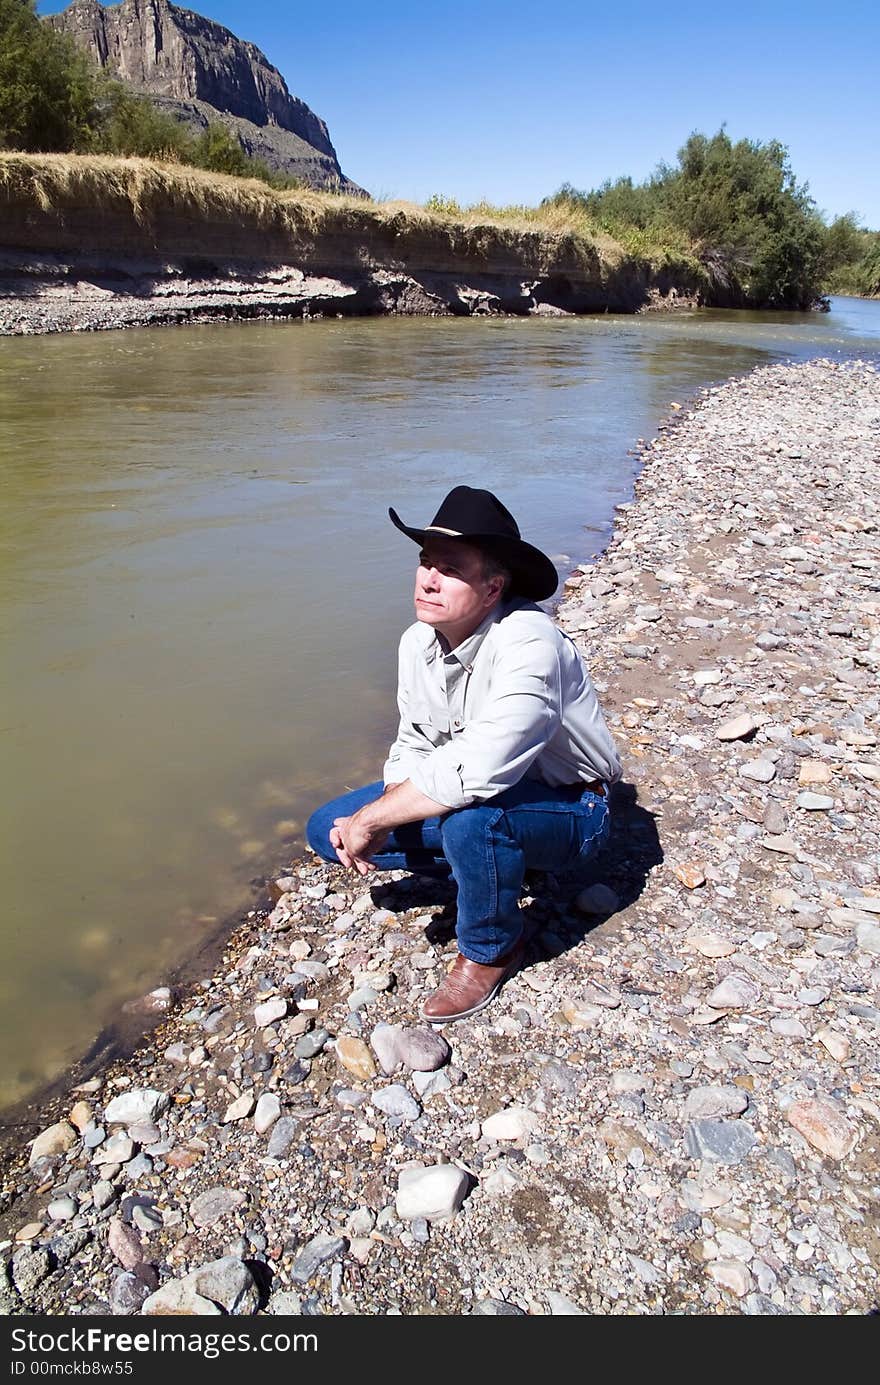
552 922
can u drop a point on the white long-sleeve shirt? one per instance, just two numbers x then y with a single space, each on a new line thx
513 701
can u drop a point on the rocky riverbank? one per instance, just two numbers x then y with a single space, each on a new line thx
99 293
675 1106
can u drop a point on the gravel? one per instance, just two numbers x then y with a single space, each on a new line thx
674 1107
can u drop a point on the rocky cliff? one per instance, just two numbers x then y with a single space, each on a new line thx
199 71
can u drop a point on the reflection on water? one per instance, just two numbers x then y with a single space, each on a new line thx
202 594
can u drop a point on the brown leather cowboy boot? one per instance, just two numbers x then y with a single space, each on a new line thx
470 986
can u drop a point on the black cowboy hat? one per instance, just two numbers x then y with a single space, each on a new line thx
478 517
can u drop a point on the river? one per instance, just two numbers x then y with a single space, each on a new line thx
202 594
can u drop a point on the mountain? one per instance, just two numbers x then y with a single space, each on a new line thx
198 71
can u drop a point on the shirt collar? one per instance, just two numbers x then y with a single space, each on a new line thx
467 651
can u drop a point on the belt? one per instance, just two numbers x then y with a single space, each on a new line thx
596 786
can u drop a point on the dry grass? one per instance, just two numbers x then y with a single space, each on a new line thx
50 181
140 188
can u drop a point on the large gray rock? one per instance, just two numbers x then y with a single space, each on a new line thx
496 1308
316 1253
30 1265
283 1134
127 1293
210 1206
197 71
435 1193
57 1139
178 1298
141 1104
726 1141
227 1282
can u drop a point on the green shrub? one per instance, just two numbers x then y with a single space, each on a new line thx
132 127
852 258
47 96
736 207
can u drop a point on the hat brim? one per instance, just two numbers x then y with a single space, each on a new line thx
532 573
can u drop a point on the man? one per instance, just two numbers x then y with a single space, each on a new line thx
502 760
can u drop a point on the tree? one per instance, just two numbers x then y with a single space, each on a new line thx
741 206
756 232
46 86
131 125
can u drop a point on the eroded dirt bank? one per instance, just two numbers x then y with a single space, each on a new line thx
58 292
91 243
675 1106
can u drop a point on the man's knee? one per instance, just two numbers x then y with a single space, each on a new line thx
318 831
464 829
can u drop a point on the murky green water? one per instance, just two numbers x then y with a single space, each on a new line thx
202 593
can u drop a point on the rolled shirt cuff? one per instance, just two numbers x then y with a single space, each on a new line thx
440 780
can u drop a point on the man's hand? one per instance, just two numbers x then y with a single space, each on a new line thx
357 838
355 843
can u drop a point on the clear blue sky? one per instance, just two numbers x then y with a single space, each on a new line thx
506 100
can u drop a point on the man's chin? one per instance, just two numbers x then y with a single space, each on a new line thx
428 615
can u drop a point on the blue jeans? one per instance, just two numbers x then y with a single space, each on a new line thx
487 847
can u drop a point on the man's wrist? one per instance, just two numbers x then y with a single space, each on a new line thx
366 817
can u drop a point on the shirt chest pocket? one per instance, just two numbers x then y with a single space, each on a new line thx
430 722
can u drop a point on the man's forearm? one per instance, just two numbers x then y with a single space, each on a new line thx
400 803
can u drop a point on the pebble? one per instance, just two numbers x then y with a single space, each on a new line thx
362 997
239 1109
814 802
355 1057
433 1193
178 1298
267 1113
419 1049
269 1012
117 1150
709 1102
30 1266
81 1115
133 1107
727 1141
513 1123
429 1084
702 1197
128 1294
209 1207
824 1125
732 1275
737 729
396 1101
561 1306
734 992
814 772
760 770
284 1132
311 1044
313 1256
868 937
710 945
597 899
836 1044
125 1244
56 1139
62 1209
690 875
496 1308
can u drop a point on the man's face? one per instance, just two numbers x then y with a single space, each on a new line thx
451 592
